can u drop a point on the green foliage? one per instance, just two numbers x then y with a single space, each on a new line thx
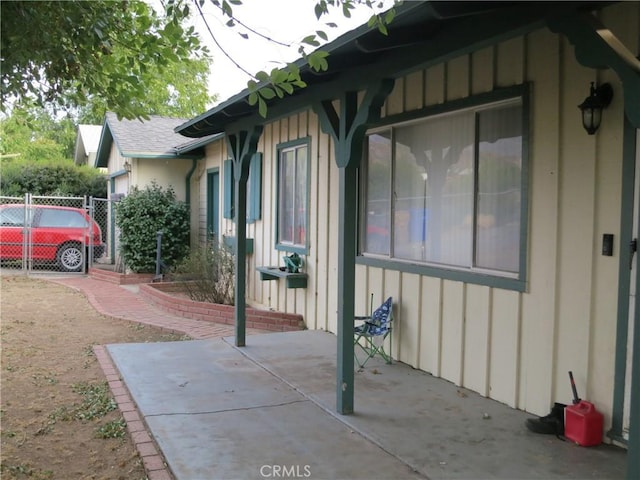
64 53
208 273
114 429
96 402
177 90
143 213
59 178
280 81
34 135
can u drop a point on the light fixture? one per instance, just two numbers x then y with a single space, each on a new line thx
599 99
127 166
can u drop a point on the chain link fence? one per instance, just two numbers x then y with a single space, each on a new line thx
41 234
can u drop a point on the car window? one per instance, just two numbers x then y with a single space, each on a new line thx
12 216
51 217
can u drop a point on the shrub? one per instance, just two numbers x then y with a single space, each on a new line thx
208 273
143 213
62 178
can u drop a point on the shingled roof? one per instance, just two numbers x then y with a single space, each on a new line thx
152 138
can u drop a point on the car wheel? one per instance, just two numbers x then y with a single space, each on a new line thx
71 257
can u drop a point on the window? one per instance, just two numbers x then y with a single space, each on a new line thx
12 216
293 168
50 217
446 191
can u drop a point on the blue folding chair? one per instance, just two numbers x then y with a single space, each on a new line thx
372 333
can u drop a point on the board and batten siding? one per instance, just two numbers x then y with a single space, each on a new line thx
514 347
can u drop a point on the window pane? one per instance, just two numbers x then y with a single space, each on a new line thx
300 186
12 216
287 165
434 190
61 218
378 191
499 189
292 204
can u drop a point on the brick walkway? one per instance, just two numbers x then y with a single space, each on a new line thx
124 303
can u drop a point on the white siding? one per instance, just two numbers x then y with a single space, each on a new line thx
514 347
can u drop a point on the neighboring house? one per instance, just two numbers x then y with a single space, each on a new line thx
137 153
446 165
87 141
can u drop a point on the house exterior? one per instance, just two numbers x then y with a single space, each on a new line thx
87 140
446 165
137 153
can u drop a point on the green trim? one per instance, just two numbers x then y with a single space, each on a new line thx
284 247
477 278
188 182
255 189
595 49
495 280
228 186
119 173
159 156
213 202
254 202
499 94
231 243
624 278
241 145
293 280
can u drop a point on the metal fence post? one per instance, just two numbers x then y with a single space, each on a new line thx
158 255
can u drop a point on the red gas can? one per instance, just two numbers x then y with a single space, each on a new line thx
583 424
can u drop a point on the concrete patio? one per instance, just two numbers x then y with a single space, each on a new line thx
267 410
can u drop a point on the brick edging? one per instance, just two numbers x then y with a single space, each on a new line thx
154 463
217 313
120 278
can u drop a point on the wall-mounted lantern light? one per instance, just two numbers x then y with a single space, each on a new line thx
127 166
599 99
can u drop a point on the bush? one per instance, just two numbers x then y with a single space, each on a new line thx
208 273
59 178
140 215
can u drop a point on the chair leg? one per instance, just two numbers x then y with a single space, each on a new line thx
370 349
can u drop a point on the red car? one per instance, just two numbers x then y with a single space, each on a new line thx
60 235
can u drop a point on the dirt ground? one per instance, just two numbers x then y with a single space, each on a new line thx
58 418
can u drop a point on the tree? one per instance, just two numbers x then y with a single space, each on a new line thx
63 53
177 90
283 80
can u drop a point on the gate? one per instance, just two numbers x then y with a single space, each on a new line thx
40 234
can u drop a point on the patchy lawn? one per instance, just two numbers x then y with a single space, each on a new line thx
59 420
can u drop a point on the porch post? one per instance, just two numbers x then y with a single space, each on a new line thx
348 130
241 145
596 47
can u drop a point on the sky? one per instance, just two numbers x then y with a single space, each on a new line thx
287 21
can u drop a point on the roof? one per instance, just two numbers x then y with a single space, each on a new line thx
422 34
152 138
87 142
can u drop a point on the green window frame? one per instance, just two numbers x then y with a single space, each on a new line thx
292 201
444 191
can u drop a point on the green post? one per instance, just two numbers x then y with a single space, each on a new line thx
346 282
242 145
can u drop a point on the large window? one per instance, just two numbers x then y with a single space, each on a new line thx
446 190
293 168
